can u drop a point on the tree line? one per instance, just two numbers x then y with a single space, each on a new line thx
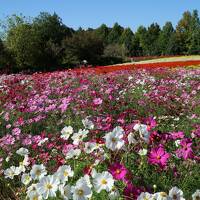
45 43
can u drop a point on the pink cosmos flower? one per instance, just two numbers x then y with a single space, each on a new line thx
7 140
27 140
131 192
16 132
158 156
177 135
185 151
118 171
97 101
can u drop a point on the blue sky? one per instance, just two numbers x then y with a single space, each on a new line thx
92 13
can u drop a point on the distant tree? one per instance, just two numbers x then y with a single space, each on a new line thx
141 37
50 27
194 37
82 46
126 40
115 51
11 22
151 40
22 42
5 57
115 34
136 48
165 38
103 32
184 31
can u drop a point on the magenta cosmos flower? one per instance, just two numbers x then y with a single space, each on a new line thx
118 171
158 156
185 151
131 192
97 101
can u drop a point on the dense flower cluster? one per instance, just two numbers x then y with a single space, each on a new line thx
126 134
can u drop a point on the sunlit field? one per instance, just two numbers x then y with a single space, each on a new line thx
90 134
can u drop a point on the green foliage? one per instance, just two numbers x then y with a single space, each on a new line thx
45 43
84 45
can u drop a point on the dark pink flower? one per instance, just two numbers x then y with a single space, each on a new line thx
118 171
131 192
97 101
177 135
158 156
185 151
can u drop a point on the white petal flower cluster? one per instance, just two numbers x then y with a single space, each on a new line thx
66 132
174 194
88 124
143 131
114 139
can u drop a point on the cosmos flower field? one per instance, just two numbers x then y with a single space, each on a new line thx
126 134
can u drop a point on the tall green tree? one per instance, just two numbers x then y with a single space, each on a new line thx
165 37
82 46
23 44
126 40
103 32
115 34
151 40
140 37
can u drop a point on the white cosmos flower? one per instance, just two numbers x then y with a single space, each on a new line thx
88 124
7 159
177 143
42 141
48 186
114 194
196 195
73 153
65 191
103 181
145 196
31 189
176 194
66 132
26 179
144 134
118 130
142 152
131 138
25 162
161 196
90 147
64 172
85 179
114 139
81 191
21 168
35 196
78 137
22 151
11 172
38 171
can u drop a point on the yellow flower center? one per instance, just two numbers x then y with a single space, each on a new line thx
174 196
103 181
197 198
158 157
38 172
65 173
113 139
35 198
118 171
80 192
163 194
49 186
